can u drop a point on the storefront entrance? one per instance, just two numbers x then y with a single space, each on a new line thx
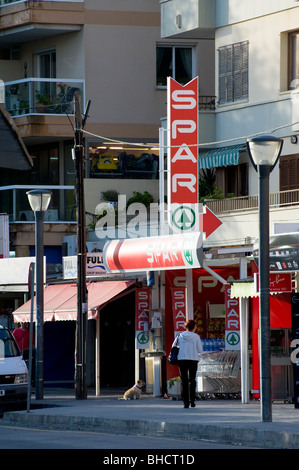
117 343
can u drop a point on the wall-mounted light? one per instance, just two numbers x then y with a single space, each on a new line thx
294 139
178 21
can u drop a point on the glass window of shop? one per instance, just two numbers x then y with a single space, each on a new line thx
117 161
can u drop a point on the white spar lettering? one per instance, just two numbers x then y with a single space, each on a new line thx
142 305
206 281
179 325
232 323
178 305
184 153
143 295
232 302
179 294
181 96
189 127
168 252
184 180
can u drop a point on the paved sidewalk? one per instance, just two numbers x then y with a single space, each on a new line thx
227 421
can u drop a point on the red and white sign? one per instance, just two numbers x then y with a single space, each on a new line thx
279 282
208 222
178 309
153 253
142 307
182 116
232 321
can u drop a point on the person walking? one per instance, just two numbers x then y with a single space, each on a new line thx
190 347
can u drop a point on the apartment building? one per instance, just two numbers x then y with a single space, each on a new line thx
112 53
49 50
255 80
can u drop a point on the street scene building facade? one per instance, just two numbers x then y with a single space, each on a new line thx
119 57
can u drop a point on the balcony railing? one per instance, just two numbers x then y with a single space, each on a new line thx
244 203
206 103
46 96
14 202
7 2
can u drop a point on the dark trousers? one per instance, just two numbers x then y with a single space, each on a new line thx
188 380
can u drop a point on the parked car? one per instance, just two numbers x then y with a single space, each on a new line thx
13 370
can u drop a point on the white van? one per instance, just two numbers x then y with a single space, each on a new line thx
13 370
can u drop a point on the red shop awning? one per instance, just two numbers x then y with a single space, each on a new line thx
60 301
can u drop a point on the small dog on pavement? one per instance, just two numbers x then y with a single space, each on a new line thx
133 392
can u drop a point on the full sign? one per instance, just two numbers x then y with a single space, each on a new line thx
153 253
182 181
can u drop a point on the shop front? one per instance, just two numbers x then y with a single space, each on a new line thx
110 325
209 313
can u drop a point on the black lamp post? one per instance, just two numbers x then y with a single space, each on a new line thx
39 202
264 152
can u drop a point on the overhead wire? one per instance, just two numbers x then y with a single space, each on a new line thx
226 141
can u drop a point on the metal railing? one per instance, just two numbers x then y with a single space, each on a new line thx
244 203
14 202
41 95
206 103
7 2
4 3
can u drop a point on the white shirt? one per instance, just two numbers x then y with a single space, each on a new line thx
190 346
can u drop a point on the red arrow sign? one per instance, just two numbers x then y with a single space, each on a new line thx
208 222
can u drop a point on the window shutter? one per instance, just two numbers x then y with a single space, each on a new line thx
244 69
233 72
289 172
229 74
222 75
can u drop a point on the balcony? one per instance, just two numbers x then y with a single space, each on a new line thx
279 199
22 21
192 19
41 96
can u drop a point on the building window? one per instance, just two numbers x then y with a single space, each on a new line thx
293 57
176 62
233 72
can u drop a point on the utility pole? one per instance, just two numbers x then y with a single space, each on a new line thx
82 299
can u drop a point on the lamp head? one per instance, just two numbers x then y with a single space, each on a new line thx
39 200
264 150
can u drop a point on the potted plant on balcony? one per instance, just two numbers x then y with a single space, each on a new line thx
43 101
111 196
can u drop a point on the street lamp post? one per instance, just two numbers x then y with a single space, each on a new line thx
264 152
39 202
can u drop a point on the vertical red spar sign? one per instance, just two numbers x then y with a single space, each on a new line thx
232 321
178 309
142 305
183 155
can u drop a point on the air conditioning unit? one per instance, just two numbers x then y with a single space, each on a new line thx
95 246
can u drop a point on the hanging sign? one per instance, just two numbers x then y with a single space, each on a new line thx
178 295
278 282
142 306
283 252
153 253
182 114
232 321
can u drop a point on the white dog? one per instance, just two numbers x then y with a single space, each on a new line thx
134 392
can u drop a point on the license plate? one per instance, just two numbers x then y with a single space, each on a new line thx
2 393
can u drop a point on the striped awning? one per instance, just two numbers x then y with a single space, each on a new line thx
220 157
